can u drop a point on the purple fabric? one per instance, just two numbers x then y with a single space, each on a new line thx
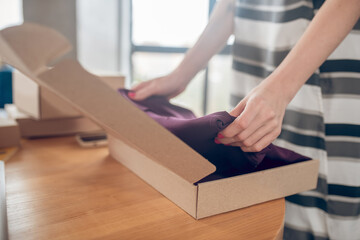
199 133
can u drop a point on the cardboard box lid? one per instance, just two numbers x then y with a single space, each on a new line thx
99 102
7 55
36 45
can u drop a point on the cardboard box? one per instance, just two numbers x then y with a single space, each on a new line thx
145 147
32 128
9 131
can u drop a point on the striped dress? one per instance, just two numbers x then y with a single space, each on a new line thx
322 121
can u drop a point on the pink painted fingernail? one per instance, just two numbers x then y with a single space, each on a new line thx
131 94
220 135
217 141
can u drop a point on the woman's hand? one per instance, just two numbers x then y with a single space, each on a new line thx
169 86
211 41
260 114
259 118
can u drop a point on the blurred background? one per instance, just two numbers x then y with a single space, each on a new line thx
139 39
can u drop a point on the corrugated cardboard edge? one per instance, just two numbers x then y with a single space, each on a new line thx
241 191
175 188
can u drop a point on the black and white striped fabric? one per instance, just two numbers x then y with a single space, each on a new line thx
322 121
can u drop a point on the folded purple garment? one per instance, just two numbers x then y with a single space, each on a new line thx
199 133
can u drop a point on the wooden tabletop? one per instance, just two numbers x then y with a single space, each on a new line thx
59 190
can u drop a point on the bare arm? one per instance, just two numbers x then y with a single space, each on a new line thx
260 113
212 39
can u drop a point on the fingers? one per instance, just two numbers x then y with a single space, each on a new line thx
257 135
142 91
263 142
251 144
263 120
238 109
256 127
242 122
257 140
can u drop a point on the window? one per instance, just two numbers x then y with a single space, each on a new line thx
10 13
168 23
162 31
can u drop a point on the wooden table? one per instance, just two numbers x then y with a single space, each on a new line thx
58 190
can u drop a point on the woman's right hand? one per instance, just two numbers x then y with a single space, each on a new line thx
169 86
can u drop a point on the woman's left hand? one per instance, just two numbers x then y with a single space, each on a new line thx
259 118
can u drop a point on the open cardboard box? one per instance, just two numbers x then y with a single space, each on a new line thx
140 143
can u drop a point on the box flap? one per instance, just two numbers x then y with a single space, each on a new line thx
115 81
8 56
54 107
35 45
122 119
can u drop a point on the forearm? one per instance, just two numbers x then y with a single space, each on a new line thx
329 27
213 38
